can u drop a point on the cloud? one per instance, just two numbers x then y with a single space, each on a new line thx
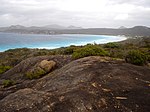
121 17
86 13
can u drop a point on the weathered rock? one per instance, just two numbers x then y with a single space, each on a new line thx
91 84
18 72
47 66
40 69
26 100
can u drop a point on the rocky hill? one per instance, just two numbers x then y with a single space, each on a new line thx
90 84
134 31
57 29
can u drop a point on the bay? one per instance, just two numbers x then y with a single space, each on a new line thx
14 40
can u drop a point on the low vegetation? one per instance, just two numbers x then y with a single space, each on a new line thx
3 68
136 57
14 56
35 74
7 83
111 45
89 50
69 50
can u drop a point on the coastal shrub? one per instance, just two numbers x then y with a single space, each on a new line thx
7 83
59 51
136 57
40 53
111 45
4 68
148 58
147 42
35 74
89 50
69 50
117 53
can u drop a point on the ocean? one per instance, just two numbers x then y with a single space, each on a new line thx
14 40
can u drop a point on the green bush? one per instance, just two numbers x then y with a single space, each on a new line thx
111 45
148 58
3 69
35 74
136 57
89 50
7 83
69 50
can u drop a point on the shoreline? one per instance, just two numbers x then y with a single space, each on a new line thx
97 41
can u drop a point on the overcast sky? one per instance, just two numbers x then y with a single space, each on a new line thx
85 13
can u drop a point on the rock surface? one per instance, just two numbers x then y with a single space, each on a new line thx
91 84
40 69
17 73
47 65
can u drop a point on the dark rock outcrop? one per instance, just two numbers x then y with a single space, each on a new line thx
91 84
17 73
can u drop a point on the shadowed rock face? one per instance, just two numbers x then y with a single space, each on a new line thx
91 84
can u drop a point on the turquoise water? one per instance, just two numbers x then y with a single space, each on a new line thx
14 40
